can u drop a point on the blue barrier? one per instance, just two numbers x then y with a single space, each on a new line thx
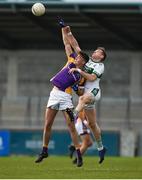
25 142
30 142
4 143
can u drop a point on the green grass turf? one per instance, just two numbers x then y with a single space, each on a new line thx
61 167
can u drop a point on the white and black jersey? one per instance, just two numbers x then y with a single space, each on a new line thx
96 68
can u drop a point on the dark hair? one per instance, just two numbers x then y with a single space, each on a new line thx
84 56
104 52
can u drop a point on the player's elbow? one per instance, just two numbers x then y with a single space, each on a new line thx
91 78
67 45
74 44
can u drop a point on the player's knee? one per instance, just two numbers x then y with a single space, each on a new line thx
91 124
84 99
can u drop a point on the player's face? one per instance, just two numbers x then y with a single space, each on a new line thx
79 61
98 55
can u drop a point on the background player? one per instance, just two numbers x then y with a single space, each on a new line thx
83 131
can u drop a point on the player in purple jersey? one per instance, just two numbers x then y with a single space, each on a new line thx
63 79
61 99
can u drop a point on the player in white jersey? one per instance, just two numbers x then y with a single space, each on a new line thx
94 70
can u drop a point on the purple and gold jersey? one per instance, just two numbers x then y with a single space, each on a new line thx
63 79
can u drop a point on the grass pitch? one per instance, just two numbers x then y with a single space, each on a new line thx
61 167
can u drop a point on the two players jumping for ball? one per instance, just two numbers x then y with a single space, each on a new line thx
79 66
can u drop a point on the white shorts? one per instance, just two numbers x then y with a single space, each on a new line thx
81 127
59 100
94 100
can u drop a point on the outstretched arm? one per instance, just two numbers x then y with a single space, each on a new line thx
67 45
71 39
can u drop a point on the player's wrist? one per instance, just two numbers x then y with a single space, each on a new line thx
69 33
62 25
61 22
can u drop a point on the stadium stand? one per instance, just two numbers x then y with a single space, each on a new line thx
3 75
26 109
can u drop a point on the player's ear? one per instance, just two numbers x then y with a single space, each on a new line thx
102 57
83 62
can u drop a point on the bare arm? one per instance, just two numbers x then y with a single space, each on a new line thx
67 45
89 77
71 39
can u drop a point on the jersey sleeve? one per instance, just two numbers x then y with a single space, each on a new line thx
98 69
71 59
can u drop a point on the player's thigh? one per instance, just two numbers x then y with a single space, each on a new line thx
50 116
